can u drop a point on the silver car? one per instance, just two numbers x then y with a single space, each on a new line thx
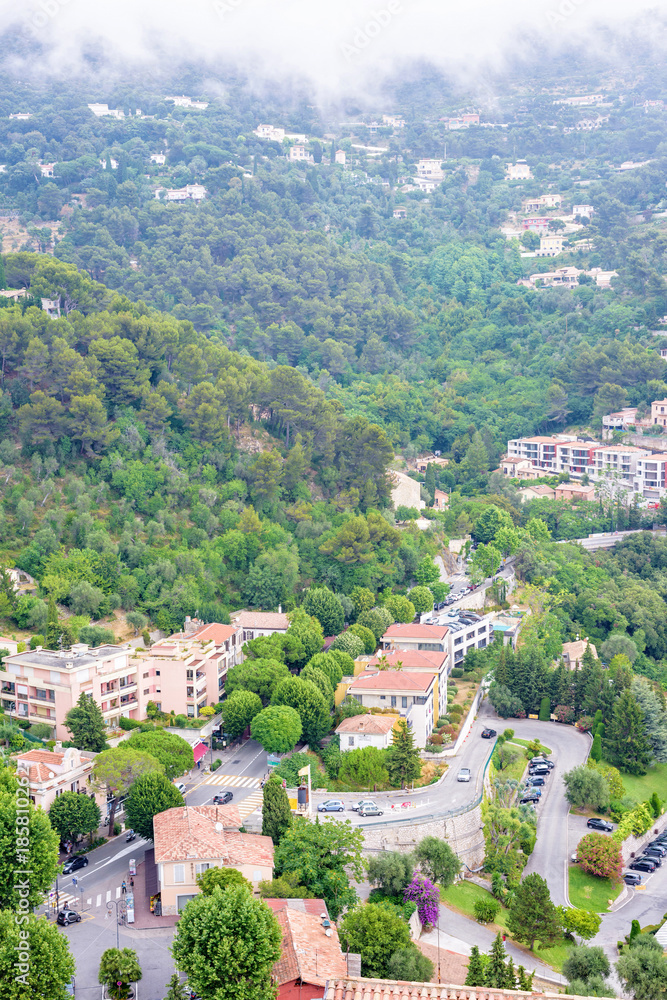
464 774
361 804
331 805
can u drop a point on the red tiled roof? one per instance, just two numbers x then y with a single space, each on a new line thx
377 725
415 631
425 658
348 988
189 833
397 680
213 632
42 764
316 907
309 954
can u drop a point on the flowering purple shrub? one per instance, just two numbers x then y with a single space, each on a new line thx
426 895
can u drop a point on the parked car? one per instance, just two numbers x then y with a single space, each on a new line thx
370 809
632 878
331 805
73 865
643 865
655 846
543 761
651 856
222 800
535 780
180 786
530 796
358 806
539 772
595 823
464 774
574 858
488 734
70 988
66 917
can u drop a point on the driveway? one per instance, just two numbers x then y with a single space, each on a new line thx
569 749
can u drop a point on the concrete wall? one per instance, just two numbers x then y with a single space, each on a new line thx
464 834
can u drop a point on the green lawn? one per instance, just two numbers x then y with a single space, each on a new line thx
587 892
642 787
463 896
525 743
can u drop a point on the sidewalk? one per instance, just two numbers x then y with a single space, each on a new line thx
143 918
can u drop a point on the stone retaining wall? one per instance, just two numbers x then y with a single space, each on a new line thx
464 834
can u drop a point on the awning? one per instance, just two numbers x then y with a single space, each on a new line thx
199 750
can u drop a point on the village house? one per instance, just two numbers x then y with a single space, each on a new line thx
584 211
659 412
103 110
300 154
191 192
621 420
411 693
50 773
339 157
575 491
187 102
423 462
430 169
538 492
573 653
366 731
46 169
519 171
191 839
400 213
550 246
393 121
158 158
536 224
311 952
544 201
253 624
518 468
440 499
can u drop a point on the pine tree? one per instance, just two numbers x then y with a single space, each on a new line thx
532 916
86 724
625 744
510 975
475 975
525 980
276 812
403 760
496 972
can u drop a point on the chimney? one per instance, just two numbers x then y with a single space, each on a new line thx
58 746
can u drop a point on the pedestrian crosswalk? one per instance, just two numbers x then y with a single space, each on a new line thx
249 804
77 901
232 781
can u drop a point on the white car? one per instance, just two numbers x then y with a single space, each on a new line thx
464 774
361 804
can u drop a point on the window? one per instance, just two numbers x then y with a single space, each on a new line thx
146 691
419 701
179 873
204 867
393 701
350 741
404 702
383 697
157 673
146 674
457 642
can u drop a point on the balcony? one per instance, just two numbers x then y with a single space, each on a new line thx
127 689
128 701
47 696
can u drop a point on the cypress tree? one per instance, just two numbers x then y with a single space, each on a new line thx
510 975
475 975
525 980
626 745
276 812
545 709
596 749
496 971
532 915
403 760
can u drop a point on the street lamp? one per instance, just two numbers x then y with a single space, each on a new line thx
121 907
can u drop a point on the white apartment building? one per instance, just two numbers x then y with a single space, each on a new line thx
583 210
650 477
541 450
616 458
191 192
621 420
430 170
270 132
159 158
466 630
394 121
187 102
103 110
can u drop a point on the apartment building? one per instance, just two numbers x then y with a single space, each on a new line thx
427 661
650 476
466 630
191 666
575 458
411 693
41 685
541 451
616 458
430 169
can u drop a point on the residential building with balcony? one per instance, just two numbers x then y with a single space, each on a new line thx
186 671
412 694
540 450
650 478
575 457
430 170
621 420
519 171
425 661
41 685
466 630
616 458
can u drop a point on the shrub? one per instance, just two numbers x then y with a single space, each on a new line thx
564 713
508 734
435 738
456 710
486 910
585 723
128 723
215 765
443 721
545 709
601 856
457 672
348 643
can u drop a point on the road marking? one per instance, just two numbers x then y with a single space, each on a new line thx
117 892
89 902
121 854
99 900
249 804
233 780
108 895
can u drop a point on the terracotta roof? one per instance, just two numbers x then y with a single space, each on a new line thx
414 630
208 633
376 725
424 658
263 619
514 460
42 764
316 907
574 651
189 833
348 988
308 953
542 489
397 680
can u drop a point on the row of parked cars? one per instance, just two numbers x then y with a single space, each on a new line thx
650 859
365 807
539 770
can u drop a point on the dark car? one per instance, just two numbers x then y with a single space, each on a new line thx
655 845
66 917
73 865
222 800
529 797
488 734
632 878
541 762
651 856
539 772
595 823
535 780
643 865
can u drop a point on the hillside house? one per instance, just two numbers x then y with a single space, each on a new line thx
519 171
366 731
411 693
